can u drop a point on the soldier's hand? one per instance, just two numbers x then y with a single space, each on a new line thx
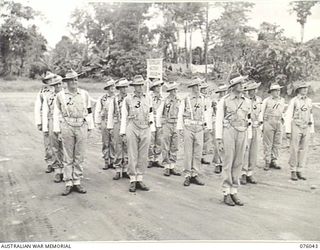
220 145
288 136
98 126
282 121
89 132
181 132
40 127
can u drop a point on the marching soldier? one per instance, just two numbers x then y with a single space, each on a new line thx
155 144
193 118
45 90
271 116
73 119
232 130
299 124
167 116
251 154
47 127
207 132
114 120
101 114
137 123
217 158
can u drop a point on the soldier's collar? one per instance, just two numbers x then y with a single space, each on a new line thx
303 97
234 96
68 92
135 94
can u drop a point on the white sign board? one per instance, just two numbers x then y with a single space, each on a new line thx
154 68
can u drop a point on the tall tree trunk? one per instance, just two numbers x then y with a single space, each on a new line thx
185 43
302 32
190 47
207 40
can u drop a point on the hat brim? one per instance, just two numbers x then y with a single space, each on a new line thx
269 91
122 86
303 86
253 87
136 83
68 78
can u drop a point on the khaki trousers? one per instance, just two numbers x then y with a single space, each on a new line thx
272 138
299 145
193 145
108 143
74 142
169 145
155 145
138 141
121 151
251 153
233 156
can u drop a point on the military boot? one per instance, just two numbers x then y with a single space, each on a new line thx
294 176
150 164
299 175
203 161
243 179
175 172
166 172
67 191
228 200
57 178
142 186
274 165
106 166
236 200
117 176
251 180
266 167
125 175
218 169
157 164
132 187
187 181
80 189
196 180
49 169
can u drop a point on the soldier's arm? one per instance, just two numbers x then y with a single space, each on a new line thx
219 119
263 108
180 115
208 114
159 114
97 111
250 120
111 113
288 116
311 119
124 116
56 115
151 117
89 117
37 110
45 112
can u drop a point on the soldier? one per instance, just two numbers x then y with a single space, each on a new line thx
232 129
114 120
251 154
45 90
272 118
193 118
72 118
101 119
216 160
155 144
47 127
137 123
299 124
167 116
207 133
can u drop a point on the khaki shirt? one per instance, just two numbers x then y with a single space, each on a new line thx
114 114
102 108
272 107
234 111
137 109
72 105
44 91
256 103
168 111
299 112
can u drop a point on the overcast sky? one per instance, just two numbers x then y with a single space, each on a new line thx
57 13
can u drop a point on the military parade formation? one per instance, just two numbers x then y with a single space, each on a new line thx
142 129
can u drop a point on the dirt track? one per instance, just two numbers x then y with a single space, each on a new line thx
32 208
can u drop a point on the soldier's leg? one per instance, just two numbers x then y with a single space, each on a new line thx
197 153
79 153
68 144
173 146
143 147
188 151
105 143
294 148
47 151
228 159
158 148
303 150
206 142
245 165
240 147
277 141
124 147
217 160
253 151
151 153
132 135
166 139
268 137
118 153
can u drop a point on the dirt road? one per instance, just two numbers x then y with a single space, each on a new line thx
32 208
